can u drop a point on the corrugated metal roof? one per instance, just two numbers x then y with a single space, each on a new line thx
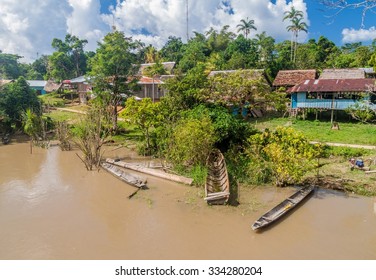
36 83
335 85
79 79
293 77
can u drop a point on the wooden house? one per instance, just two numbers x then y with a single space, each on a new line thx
151 87
83 88
332 94
38 86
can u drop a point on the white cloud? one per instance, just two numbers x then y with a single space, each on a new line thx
85 21
28 28
163 18
361 35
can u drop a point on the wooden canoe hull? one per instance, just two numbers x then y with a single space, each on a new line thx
282 208
217 186
131 179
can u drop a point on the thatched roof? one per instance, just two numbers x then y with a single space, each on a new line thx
253 74
5 82
51 86
289 78
168 66
354 73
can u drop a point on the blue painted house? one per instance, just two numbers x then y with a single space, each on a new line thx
38 85
333 94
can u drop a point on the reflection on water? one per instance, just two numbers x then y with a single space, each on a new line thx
52 208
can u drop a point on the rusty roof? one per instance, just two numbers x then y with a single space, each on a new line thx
335 85
293 77
350 73
143 80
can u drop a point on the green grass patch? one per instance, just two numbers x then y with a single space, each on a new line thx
59 116
52 99
349 133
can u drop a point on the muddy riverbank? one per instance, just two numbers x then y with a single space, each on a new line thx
52 208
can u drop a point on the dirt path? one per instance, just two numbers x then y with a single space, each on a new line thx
367 147
79 112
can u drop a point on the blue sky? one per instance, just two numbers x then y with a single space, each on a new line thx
28 29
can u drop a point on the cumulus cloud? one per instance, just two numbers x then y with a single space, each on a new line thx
86 22
155 20
350 35
28 28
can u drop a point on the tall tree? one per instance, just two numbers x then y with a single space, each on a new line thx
172 50
69 59
15 99
112 69
297 25
291 15
265 49
9 66
245 26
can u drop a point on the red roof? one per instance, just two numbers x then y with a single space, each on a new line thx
335 85
147 80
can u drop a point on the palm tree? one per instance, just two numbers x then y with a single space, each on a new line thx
246 26
293 13
294 16
296 26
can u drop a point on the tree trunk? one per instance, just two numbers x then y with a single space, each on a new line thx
114 119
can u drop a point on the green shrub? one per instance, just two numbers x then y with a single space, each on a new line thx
191 141
284 156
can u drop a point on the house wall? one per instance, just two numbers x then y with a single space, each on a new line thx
39 90
300 100
147 92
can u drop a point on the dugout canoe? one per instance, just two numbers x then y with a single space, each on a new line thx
282 208
217 185
131 179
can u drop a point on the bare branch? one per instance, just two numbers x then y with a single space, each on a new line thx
341 5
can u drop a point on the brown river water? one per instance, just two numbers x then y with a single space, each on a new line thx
52 208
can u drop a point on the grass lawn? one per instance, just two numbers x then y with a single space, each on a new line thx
59 116
349 133
52 100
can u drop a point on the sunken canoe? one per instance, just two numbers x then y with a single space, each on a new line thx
217 185
133 180
282 208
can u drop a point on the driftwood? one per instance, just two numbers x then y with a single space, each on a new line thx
370 171
153 172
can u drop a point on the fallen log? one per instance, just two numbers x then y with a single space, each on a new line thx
153 172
